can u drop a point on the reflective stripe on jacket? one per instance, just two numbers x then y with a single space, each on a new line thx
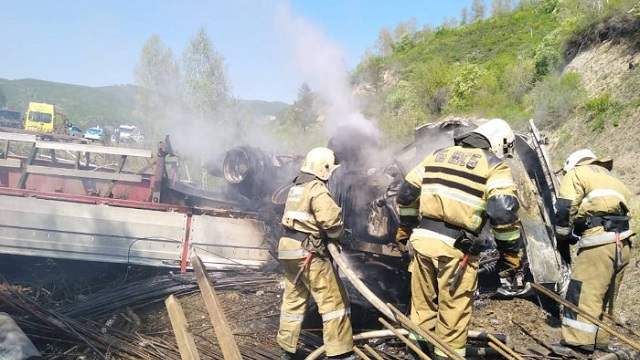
311 210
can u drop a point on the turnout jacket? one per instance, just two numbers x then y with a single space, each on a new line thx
590 190
309 210
463 186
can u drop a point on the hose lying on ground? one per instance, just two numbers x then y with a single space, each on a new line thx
376 334
358 284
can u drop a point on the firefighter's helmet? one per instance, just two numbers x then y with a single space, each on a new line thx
320 162
585 156
500 136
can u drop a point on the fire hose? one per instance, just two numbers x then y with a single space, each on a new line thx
386 310
376 334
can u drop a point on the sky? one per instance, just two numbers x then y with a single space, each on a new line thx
98 43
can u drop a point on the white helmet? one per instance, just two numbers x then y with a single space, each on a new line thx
500 136
320 162
585 156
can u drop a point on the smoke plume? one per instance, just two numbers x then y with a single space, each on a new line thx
320 62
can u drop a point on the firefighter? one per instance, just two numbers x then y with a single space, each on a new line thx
311 217
592 213
444 203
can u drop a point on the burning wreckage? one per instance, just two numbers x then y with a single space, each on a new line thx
365 186
89 202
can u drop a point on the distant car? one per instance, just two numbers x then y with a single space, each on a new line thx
74 131
10 119
94 133
127 134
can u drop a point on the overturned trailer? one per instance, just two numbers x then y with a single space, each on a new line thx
118 205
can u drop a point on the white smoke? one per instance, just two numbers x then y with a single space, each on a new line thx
320 63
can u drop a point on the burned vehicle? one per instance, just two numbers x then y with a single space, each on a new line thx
365 186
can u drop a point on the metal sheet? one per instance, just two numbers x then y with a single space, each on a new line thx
544 260
223 242
100 149
58 229
84 174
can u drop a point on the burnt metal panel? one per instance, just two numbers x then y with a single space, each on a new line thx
224 242
545 262
59 229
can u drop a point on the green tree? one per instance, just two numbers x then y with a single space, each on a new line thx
302 116
384 43
158 78
464 16
206 87
500 7
477 10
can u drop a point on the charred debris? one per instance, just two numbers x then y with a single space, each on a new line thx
115 309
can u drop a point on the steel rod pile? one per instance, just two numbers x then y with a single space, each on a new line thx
80 326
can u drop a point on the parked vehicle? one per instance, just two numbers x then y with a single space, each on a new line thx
10 119
45 118
127 134
73 130
94 133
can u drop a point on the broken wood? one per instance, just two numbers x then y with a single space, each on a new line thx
360 353
405 340
221 327
372 352
504 347
184 338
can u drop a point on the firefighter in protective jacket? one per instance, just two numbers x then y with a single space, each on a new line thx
311 217
444 203
592 213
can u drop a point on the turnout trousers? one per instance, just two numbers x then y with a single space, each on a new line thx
593 286
434 305
321 281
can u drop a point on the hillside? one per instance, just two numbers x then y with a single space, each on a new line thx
108 105
572 68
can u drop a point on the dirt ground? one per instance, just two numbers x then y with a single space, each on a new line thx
253 313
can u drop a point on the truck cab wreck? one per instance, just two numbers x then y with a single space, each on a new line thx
366 187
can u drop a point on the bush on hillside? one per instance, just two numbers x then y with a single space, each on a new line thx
548 57
464 85
600 109
432 82
403 113
556 98
518 79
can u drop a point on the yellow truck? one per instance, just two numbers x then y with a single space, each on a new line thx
45 118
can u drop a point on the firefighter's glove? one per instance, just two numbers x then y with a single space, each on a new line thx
470 244
566 235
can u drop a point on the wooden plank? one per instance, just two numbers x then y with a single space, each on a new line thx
17 137
372 352
11 163
230 350
360 353
111 150
184 338
88 174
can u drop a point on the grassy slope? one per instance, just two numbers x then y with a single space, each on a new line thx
87 106
489 42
